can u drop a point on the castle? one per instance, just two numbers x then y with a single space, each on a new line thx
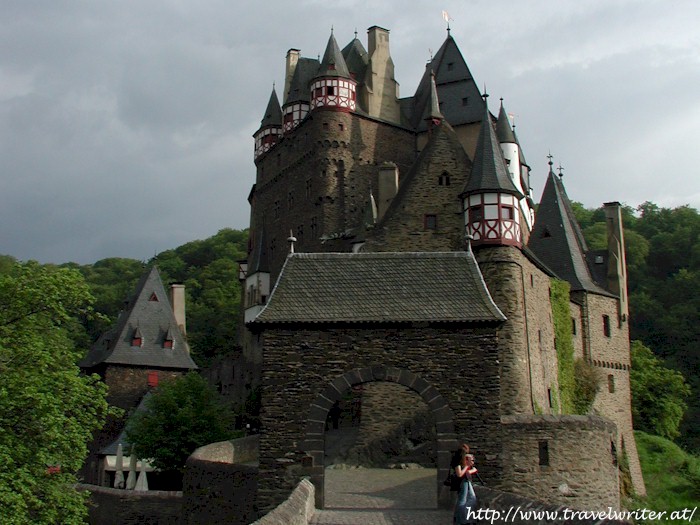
397 240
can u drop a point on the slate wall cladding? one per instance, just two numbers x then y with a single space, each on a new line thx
581 471
306 370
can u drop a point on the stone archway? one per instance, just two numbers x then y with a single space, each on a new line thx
314 444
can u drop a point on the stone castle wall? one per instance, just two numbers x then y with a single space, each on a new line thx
316 181
567 460
526 340
317 366
109 506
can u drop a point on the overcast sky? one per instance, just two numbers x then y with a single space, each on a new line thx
126 126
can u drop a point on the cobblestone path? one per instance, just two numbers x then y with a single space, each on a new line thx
381 497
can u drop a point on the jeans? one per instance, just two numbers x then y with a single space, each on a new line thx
466 499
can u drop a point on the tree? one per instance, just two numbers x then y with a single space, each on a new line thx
181 415
48 410
658 394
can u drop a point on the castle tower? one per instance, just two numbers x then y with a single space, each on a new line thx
270 129
333 87
490 197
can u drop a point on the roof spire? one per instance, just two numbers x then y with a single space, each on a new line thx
355 32
560 169
291 240
550 157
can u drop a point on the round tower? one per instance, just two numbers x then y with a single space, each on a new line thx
490 198
270 129
333 86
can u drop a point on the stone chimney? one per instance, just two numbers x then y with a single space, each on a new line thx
290 68
387 188
177 300
617 264
382 88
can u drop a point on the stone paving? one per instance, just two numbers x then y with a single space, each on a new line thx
381 497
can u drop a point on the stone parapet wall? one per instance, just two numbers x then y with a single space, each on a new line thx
297 509
220 484
110 506
566 460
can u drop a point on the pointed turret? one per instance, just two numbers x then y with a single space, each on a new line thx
490 198
557 240
257 280
432 114
270 126
333 87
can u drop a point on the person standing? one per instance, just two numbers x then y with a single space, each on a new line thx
466 498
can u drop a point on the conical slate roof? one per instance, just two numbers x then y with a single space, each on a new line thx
333 63
557 240
395 287
489 171
273 113
356 58
503 130
148 315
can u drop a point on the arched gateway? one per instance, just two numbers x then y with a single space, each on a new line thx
422 320
439 409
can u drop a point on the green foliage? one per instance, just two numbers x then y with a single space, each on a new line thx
47 409
181 415
561 316
671 476
658 394
586 385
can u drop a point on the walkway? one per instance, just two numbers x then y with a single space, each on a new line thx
381 497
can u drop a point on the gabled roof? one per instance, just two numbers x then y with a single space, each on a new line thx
273 113
460 98
489 171
305 70
148 312
380 288
443 138
557 240
333 64
356 58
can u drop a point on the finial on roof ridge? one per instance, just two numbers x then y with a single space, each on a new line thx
291 240
550 157
560 169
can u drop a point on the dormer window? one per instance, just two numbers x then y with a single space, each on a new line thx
137 338
169 339
168 343
153 297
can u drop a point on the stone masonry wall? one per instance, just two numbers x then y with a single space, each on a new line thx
611 356
316 181
305 371
580 471
109 506
423 194
526 340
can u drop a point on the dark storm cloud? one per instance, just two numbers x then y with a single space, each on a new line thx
125 127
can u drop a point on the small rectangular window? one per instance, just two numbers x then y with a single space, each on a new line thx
152 379
549 396
611 383
606 325
544 453
573 326
508 213
430 222
465 101
476 214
